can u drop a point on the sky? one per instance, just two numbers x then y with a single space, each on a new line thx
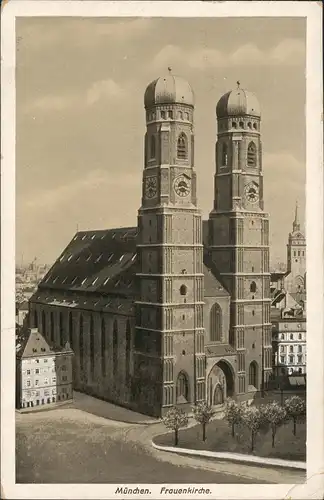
80 117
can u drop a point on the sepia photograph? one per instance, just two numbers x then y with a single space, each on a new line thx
161 260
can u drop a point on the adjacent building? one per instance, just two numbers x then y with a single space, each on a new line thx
173 311
289 343
43 372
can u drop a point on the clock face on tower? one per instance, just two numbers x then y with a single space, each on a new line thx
251 192
150 187
182 185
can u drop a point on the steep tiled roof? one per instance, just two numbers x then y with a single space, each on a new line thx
103 263
31 343
95 261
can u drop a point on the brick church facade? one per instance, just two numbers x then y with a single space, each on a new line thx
175 310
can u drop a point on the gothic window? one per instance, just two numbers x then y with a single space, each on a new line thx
253 287
234 124
70 329
128 348
152 147
35 319
52 326
115 347
241 124
61 329
224 155
163 115
170 114
253 374
250 125
92 354
182 147
183 290
251 155
43 323
215 323
182 388
103 347
81 352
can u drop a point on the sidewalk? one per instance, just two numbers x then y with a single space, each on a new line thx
47 407
110 411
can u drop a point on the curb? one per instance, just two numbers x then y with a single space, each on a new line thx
234 457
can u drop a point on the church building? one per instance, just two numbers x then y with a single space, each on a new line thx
175 310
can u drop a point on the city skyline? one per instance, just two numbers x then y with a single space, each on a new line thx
81 121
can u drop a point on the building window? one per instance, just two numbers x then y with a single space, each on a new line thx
43 323
241 124
37 370
282 359
61 329
253 287
115 347
183 290
250 125
224 155
64 378
300 348
291 336
182 147
299 336
282 348
291 348
163 115
152 147
187 116
300 359
52 326
28 372
253 374
251 155
182 388
170 114
282 336
128 349
70 329
234 124
81 352
103 347
216 323
255 126
46 380
180 115
28 383
291 359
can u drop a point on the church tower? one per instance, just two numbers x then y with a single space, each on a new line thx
296 258
169 340
239 236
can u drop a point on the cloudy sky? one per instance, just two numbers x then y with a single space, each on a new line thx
80 116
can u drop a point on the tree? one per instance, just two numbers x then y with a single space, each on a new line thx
233 414
175 419
202 414
275 415
253 418
295 407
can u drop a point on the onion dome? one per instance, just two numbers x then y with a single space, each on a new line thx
238 102
168 89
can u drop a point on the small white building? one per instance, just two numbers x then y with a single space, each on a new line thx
289 342
43 372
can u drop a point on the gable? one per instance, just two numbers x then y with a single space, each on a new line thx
35 345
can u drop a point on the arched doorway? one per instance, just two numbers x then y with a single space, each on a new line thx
182 388
253 374
220 383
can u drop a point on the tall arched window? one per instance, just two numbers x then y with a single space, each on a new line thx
43 323
103 347
182 147
70 329
251 155
216 323
35 321
128 349
115 347
52 326
253 374
92 353
81 350
61 333
224 155
253 287
182 388
152 147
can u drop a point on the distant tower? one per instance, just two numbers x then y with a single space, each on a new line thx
296 257
169 340
239 235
